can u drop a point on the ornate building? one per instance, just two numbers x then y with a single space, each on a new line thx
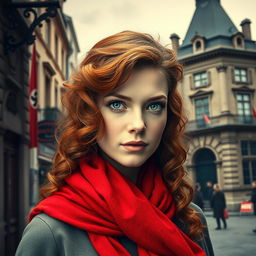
56 53
219 92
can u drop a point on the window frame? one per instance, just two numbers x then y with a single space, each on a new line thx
248 160
200 121
246 115
202 85
239 69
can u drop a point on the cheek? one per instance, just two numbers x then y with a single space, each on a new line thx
158 128
112 126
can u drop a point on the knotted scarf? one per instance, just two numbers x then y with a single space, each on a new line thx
99 200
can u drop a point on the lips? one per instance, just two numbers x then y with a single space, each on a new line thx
135 143
134 146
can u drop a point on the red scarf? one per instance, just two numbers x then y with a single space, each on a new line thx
99 200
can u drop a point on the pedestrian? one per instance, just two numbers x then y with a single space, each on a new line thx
117 185
253 200
209 190
218 203
198 196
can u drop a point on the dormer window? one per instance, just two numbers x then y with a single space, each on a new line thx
198 43
238 40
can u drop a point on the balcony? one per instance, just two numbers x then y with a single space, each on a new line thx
49 114
221 121
47 121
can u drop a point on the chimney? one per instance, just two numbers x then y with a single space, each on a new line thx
246 28
175 42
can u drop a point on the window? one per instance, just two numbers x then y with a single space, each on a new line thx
244 107
198 45
47 91
248 149
201 109
48 33
56 48
200 79
241 75
239 41
56 102
62 61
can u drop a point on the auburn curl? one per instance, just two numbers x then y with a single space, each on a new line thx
107 66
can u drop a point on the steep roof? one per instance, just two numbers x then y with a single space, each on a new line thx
209 20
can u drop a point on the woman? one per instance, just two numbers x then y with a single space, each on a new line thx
117 186
218 203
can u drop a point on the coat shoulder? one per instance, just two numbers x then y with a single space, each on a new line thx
45 235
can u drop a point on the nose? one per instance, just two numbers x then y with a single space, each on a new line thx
137 123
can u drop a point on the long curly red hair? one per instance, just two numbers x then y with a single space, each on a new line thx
107 66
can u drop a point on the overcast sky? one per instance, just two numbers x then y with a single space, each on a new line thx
96 19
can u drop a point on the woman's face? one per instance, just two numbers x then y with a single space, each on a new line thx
135 116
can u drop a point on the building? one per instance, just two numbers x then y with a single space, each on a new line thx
14 152
219 92
56 52
53 49
72 57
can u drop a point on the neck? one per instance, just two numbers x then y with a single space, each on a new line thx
130 173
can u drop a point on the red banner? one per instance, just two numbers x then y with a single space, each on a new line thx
33 102
246 206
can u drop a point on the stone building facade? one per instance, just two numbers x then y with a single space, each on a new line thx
54 55
14 153
219 93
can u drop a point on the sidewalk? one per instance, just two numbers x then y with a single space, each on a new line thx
237 240
231 214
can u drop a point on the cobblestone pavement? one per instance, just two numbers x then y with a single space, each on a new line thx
237 240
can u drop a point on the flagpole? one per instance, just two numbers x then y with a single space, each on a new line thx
33 144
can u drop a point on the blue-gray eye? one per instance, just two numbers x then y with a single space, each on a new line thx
156 106
116 106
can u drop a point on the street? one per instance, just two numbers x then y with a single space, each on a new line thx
237 240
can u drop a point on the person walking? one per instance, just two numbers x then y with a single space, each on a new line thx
198 196
253 200
218 204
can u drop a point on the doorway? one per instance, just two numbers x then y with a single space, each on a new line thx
11 193
205 166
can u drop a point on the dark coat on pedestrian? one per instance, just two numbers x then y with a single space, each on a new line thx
218 204
209 193
198 199
253 199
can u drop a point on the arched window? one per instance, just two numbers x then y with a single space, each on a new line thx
239 41
198 45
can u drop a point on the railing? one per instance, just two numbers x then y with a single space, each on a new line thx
49 114
219 121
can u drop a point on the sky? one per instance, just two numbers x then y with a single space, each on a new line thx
97 19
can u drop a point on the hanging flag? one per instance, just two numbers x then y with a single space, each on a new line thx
33 144
33 102
206 119
253 112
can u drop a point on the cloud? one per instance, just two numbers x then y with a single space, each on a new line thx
91 17
123 10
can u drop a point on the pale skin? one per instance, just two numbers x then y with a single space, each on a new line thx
135 117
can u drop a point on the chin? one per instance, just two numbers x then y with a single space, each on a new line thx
133 162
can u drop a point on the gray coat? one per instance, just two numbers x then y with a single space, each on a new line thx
46 236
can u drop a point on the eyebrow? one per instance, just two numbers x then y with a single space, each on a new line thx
130 99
